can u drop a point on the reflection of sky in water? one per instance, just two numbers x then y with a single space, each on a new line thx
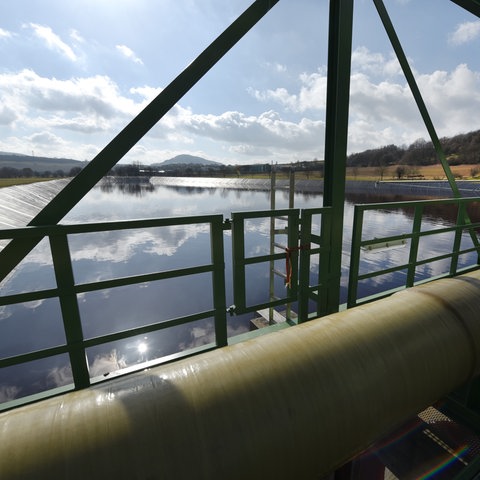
108 255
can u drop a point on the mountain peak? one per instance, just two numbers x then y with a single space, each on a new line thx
187 160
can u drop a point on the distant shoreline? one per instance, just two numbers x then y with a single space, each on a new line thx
417 188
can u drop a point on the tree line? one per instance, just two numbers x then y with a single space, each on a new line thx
463 149
11 172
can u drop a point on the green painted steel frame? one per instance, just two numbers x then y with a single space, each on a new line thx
16 250
336 130
414 236
300 229
240 260
303 244
315 244
67 290
473 6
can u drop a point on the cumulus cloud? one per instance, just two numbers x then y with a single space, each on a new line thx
53 41
374 63
4 33
267 130
32 95
45 138
382 109
7 115
289 121
129 53
465 32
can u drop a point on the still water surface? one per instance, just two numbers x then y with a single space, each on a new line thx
106 255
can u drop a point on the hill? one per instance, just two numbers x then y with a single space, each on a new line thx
462 149
37 164
186 160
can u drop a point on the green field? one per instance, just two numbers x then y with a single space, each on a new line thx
8 182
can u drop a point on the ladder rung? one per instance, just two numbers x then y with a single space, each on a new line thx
279 273
282 218
279 245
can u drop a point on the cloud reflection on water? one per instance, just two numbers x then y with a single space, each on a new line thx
108 255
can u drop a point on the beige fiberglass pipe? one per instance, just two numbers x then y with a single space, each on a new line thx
292 404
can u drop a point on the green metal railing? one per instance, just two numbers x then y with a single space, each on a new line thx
306 233
304 257
287 253
361 246
67 290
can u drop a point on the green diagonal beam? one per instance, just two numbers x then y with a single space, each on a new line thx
473 6
54 211
407 71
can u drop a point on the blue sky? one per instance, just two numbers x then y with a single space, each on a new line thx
74 73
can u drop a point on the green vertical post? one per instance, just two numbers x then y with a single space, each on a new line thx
412 258
72 323
304 270
291 189
218 280
238 261
336 130
357 232
273 196
461 214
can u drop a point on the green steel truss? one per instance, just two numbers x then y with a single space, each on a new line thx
314 235
337 107
306 264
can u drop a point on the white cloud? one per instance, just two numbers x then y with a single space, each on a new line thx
276 67
45 138
7 115
53 41
453 99
128 53
74 35
268 130
465 32
382 109
90 97
363 60
62 114
4 33
313 87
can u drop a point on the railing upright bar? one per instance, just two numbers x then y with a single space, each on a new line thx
238 261
218 281
324 277
458 238
304 270
62 264
355 255
415 239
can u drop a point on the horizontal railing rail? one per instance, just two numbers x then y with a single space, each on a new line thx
363 246
303 261
67 290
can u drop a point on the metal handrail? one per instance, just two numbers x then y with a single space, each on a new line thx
414 235
307 235
67 289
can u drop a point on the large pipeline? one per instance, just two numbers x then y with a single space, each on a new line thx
295 404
